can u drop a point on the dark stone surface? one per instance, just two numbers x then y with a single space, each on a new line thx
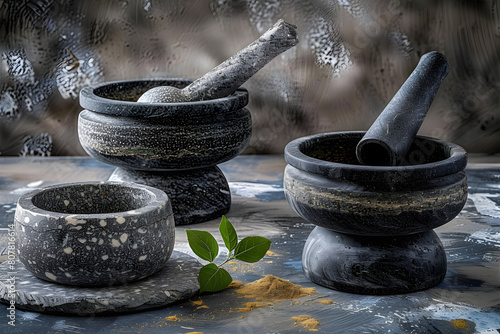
177 281
374 265
355 209
325 185
470 289
197 195
391 135
165 143
94 233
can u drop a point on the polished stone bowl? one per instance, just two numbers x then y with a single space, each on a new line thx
117 130
326 186
94 233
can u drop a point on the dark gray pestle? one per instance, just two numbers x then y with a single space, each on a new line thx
391 135
224 79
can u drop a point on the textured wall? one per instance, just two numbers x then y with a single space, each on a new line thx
352 57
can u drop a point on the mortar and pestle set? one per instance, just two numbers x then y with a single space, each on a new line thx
376 197
173 137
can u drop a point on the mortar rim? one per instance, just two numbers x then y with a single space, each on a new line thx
455 162
90 100
158 199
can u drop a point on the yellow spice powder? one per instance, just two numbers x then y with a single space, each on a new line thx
272 288
306 321
253 305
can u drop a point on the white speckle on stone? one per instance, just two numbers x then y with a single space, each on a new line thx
94 239
123 237
51 276
26 220
167 293
142 230
74 221
66 202
82 240
59 226
88 248
82 194
105 257
22 228
120 220
103 223
115 243
142 257
68 250
134 246
67 274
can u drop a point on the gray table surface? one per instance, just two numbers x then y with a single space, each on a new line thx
467 301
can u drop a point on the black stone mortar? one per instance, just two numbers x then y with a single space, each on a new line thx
173 146
94 233
363 210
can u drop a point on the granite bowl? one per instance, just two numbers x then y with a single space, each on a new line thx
325 185
94 233
117 130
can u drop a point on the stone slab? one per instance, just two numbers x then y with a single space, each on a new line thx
178 281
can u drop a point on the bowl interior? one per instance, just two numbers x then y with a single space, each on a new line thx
91 199
132 90
342 149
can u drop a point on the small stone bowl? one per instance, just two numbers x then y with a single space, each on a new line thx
325 185
94 233
117 130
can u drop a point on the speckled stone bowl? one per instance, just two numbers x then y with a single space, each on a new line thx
117 130
326 185
94 233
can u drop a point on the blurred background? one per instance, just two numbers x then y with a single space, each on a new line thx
352 57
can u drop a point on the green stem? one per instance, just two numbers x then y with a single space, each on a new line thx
226 260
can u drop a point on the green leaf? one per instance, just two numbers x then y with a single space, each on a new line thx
213 278
228 234
203 244
252 249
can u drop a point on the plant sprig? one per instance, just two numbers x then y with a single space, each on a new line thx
213 277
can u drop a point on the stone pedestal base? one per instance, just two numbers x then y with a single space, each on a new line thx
374 265
197 195
177 281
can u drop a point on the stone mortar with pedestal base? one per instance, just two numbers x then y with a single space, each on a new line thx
171 146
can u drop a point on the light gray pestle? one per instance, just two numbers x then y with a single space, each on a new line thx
224 79
389 138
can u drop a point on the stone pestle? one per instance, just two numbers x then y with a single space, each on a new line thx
389 138
224 79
